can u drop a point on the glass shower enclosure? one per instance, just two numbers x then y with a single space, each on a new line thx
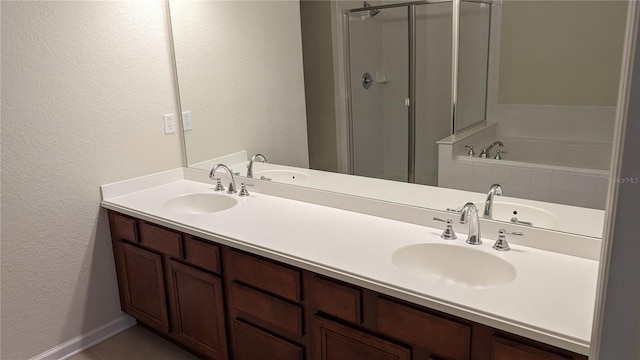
404 92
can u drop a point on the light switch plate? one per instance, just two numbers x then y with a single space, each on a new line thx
186 120
169 124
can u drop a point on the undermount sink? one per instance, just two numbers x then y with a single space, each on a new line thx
285 176
505 211
199 203
459 265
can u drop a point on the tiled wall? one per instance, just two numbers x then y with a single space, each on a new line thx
527 181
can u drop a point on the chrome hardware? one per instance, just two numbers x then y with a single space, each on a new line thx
243 189
502 244
469 209
484 153
219 186
515 220
499 154
250 165
232 183
367 80
470 153
495 189
448 233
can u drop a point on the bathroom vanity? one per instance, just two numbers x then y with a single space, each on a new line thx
274 278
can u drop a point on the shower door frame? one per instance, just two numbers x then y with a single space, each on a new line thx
455 37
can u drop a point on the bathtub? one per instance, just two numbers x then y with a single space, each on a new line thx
552 153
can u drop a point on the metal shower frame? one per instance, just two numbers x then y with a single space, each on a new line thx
412 71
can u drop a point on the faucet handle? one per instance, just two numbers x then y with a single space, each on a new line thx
470 152
243 189
502 244
448 233
499 154
219 186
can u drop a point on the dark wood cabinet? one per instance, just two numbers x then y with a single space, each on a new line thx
333 341
142 283
252 343
222 303
197 310
503 349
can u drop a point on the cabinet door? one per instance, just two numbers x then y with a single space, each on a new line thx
503 349
143 286
250 343
197 310
333 341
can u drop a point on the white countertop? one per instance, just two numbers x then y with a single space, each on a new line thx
551 300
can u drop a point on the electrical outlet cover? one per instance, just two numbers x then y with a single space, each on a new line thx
169 124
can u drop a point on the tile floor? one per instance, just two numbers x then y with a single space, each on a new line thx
132 344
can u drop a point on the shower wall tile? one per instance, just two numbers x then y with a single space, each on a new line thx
518 191
541 178
540 193
501 174
562 197
562 181
585 184
481 173
521 176
589 200
578 188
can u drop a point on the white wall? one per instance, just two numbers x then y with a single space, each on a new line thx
240 74
84 87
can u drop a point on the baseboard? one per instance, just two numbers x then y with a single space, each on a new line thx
85 341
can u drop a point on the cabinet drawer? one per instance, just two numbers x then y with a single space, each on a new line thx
503 349
163 240
202 253
265 275
336 299
442 337
123 227
270 310
334 341
251 343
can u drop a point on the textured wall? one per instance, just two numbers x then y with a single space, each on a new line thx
240 74
84 87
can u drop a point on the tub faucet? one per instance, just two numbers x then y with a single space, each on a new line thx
250 166
219 187
470 210
495 189
484 153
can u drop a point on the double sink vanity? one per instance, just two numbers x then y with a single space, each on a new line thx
296 273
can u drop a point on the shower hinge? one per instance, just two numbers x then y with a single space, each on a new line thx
407 102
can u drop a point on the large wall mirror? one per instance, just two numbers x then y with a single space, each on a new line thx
398 91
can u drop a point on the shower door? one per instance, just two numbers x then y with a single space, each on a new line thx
378 64
400 73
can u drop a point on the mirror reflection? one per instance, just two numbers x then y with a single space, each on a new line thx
454 94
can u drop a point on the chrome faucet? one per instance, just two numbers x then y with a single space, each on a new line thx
470 210
250 166
219 187
494 190
484 153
